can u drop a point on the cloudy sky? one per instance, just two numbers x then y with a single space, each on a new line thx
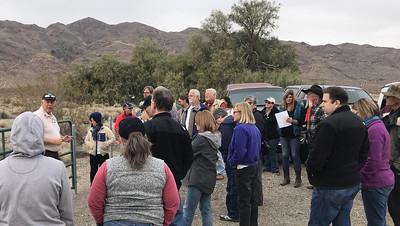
312 21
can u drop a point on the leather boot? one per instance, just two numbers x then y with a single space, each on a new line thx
286 178
297 182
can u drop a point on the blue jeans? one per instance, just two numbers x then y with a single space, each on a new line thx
220 164
375 205
332 206
178 220
291 145
193 197
123 223
271 162
231 193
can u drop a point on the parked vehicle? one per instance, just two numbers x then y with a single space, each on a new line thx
261 91
354 93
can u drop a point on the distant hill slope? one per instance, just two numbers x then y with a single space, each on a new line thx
29 51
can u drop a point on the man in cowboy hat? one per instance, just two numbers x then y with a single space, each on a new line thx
392 123
314 114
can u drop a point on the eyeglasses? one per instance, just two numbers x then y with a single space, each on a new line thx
267 102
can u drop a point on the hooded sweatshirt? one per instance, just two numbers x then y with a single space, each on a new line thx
34 189
202 173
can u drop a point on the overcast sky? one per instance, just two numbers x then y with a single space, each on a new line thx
311 21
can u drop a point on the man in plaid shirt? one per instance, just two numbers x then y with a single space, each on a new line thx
314 114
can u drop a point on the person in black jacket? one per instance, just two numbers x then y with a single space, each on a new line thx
170 141
260 124
271 135
340 147
225 126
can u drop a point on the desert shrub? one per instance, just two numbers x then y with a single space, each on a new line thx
4 115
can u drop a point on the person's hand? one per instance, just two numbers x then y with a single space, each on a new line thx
66 138
289 120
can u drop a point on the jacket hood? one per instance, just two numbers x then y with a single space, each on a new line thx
214 138
27 135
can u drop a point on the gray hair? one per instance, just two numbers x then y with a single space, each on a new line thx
163 99
196 92
251 99
213 91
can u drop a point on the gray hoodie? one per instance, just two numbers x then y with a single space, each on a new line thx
202 173
34 189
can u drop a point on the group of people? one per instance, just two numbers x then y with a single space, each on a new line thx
350 148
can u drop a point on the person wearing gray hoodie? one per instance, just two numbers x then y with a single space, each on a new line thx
201 176
34 189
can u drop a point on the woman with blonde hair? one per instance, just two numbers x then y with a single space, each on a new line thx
201 176
290 137
243 155
134 189
377 179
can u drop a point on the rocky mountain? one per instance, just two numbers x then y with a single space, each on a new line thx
29 51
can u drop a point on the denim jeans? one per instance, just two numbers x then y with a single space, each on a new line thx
375 205
178 220
394 197
220 164
291 145
231 194
124 223
193 197
246 182
271 162
332 206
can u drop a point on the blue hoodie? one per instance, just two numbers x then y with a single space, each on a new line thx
245 145
226 129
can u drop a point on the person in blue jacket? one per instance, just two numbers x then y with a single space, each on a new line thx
243 155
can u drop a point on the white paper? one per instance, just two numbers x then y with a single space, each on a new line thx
281 118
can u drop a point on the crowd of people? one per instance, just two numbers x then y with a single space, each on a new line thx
350 149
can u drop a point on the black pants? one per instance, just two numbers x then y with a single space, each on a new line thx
394 199
246 183
95 163
52 154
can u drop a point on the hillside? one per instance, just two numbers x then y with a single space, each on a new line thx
29 51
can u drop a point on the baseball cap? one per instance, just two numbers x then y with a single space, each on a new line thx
48 96
270 99
128 105
130 125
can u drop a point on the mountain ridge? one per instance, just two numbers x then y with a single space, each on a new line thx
28 51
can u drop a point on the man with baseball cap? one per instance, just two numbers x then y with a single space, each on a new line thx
52 136
127 112
392 123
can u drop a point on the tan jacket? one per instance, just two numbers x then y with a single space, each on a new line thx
102 146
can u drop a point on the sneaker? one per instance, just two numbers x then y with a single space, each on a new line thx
276 172
220 177
227 218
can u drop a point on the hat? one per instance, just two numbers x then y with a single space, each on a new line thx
219 112
393 91
129 125
315 89
270 99
129 105
96 116
146 102
49 96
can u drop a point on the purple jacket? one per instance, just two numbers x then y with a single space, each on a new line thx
245 145
376 172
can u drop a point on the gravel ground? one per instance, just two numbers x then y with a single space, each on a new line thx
283 206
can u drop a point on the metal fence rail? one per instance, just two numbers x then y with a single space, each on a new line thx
70 162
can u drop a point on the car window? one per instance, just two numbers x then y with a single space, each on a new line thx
259 93
356 94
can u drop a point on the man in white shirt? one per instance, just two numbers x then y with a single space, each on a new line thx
52 136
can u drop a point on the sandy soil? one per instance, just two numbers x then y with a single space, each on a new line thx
283 206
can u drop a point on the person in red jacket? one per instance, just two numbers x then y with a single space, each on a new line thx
127 112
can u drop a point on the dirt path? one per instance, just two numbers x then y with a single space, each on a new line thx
283 206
